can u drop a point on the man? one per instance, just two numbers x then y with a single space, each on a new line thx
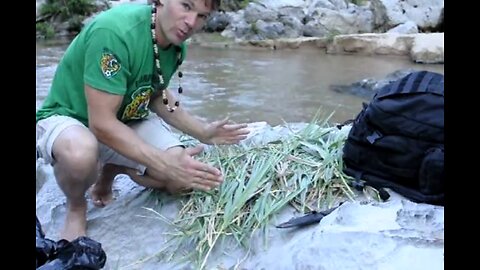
97 113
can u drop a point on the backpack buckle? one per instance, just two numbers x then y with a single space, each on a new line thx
374 136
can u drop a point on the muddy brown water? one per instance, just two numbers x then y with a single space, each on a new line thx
260 85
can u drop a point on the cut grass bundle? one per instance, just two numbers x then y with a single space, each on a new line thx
303 170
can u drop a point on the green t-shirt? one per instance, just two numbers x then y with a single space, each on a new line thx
114 53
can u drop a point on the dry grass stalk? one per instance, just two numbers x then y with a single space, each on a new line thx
304 171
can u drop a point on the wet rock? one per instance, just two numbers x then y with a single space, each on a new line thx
367 87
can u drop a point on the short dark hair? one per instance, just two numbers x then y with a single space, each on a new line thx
215 4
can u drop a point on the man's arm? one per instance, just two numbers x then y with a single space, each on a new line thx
179 166
102 110
180 118
218 132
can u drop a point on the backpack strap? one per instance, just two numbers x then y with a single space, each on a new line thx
420 81
425 81
359 184
437 85
432 82
393 87
408 87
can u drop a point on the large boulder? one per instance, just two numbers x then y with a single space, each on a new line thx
427 14
422 47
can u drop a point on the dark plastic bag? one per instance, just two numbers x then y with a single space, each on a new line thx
81 253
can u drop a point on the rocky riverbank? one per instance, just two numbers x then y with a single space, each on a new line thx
375 27
360 234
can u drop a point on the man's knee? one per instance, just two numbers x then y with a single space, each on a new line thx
64 131
77 148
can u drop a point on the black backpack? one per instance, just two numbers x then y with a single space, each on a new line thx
397 140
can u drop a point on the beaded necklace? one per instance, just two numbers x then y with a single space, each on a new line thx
157 62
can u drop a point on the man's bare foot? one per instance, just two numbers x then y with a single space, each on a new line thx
101 194
75 224
160 184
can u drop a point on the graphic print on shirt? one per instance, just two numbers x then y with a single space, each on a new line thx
109 64
138 107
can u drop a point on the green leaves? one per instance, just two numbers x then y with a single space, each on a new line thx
303 170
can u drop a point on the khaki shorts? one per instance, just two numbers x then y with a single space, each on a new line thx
152 130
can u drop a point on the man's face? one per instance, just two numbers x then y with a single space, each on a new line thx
179 19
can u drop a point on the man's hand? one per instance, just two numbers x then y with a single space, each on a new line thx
184 171
218 132
222 132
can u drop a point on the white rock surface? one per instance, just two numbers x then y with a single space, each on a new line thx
422 47
360 234
282 3
428 48
409 27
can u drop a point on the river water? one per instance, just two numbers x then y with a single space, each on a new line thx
260 85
